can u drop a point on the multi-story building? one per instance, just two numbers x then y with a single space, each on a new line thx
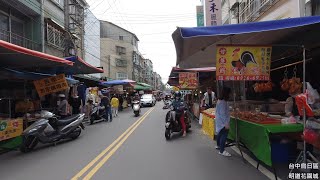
20 23
138 66
74 22
54 27
117 51
92 40
242 11
148 71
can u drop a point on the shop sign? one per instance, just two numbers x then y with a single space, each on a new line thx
51 85
10 128
175 88
243 63
188 80
212 12
200 16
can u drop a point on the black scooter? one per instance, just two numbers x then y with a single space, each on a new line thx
51 129
175 126
97 114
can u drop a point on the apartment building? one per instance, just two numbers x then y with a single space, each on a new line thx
20 23
117 47
243 11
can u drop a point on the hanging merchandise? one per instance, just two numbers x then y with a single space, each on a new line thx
295 84
263 87
301 101
285 82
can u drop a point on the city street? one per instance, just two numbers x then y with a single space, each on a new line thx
140 154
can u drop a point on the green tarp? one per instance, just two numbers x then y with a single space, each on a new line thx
139 87
256 136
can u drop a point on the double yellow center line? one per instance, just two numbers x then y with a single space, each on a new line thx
112 148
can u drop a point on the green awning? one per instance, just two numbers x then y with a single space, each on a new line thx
144 84
139 87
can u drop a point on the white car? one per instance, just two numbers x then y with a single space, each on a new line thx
148 100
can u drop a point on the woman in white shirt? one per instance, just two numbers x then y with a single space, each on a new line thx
222 121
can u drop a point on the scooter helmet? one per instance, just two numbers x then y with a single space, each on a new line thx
177 94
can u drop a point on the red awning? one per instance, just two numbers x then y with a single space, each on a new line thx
81 67
18 57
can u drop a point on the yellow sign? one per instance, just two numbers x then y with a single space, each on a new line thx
10 128
237 63
188 80
51 85
175 88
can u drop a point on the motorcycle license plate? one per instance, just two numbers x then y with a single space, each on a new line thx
167 125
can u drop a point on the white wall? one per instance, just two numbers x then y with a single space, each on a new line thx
282 10
92 40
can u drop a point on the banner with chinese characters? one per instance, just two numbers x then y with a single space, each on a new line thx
51 85
188 80
200 16
212 13
10 128
239 63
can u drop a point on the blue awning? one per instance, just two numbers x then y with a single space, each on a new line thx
196 46
118 82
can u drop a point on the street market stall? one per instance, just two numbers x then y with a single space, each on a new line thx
289 40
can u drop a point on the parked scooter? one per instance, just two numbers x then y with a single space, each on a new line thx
136 108
97 113
51 129
175 125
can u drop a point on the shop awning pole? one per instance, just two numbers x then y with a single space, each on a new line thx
304 110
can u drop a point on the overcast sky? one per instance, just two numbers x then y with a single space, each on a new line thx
153 21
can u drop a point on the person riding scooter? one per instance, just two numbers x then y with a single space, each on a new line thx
178 108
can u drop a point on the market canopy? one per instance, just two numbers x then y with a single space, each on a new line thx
7 73
196 46
140 87
17 57
144 84
118 82
81 67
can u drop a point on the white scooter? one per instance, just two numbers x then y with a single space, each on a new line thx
136 108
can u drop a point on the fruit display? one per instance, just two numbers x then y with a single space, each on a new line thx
258 118
263 87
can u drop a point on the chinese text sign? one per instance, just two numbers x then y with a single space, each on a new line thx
238 63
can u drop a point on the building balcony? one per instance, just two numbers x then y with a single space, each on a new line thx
251 10
19 40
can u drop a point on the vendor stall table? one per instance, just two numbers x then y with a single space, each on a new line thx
256 137
208 124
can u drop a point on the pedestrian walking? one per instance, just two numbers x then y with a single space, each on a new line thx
115 105
105 101
222 121
120 103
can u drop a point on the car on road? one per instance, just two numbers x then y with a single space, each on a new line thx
148 100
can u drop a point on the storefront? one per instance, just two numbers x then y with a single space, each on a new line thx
30 80
258 102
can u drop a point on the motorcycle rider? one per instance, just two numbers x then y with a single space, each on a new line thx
177 104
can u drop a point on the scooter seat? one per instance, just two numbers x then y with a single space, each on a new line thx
67 120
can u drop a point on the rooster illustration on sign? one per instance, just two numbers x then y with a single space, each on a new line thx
240 62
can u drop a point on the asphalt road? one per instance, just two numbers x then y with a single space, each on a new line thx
140 154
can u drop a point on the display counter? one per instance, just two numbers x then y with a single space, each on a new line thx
256 137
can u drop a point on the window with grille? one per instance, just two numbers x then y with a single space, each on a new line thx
55 37
121 38
121 75
121 63
120 50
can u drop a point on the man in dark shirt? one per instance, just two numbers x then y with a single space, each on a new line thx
105 101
